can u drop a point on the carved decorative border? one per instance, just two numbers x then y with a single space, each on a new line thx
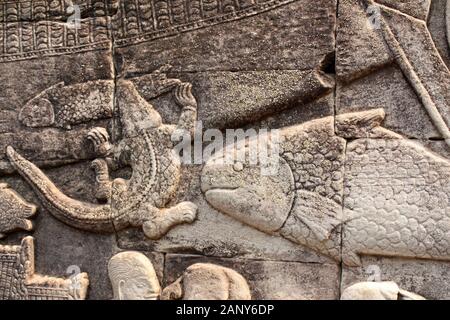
28 30
164 18
33 28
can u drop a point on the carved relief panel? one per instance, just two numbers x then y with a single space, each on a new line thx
130 128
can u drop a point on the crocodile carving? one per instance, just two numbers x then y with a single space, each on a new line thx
147 147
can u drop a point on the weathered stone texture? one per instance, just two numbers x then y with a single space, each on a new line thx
90 106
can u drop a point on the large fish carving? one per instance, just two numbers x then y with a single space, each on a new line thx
397 193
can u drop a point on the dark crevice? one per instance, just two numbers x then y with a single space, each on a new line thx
328 64
331 67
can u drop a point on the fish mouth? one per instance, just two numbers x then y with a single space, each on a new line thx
216 195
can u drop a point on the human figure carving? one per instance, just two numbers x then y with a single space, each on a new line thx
386 290
133 277
205 281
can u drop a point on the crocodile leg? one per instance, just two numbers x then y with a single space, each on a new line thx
186 100
157 222
103 183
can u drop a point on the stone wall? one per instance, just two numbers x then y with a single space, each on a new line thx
353 95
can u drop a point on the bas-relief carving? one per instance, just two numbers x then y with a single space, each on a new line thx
63 106
146 146
66 105
397 201
426 71
386 290
151 20
14 211
18 280
388 183
133 277
34 29
205 281
339 197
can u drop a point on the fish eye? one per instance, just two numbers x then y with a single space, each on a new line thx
238 166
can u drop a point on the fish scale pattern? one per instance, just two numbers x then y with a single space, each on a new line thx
397 201
316 157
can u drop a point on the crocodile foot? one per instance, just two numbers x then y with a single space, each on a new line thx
100 139
166 219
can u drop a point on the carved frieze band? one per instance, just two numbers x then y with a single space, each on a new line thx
141 20
35 28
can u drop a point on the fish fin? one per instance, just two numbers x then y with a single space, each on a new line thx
359 124
321 215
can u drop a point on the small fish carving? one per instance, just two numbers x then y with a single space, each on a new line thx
65 105
14 211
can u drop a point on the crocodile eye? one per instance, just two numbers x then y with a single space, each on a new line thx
238 166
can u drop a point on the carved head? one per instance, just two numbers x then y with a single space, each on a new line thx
133 277
206 281
39 111
241 189
14 211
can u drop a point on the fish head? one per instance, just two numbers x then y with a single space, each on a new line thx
39 111
239 186
14 211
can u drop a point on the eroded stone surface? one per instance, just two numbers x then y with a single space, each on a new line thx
416 8
388 89
258 36
349 84
360 48
248 96
439 28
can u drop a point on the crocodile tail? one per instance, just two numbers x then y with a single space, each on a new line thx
78 214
